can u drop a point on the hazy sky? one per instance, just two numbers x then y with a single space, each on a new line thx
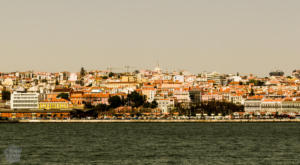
228 36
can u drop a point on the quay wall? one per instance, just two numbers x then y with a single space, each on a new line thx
159 121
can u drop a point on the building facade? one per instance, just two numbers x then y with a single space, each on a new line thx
22 100
54 104
165 105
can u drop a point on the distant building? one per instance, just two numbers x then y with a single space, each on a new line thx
182 95
23 100
149 92
54 104
253 104
276 73
96 98
165 105
195 96
36 114
259 104
157 69
178 78
236 98
211 97
271 105
73 77
216 77
128 79
296 73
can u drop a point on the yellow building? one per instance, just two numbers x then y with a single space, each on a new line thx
54 104
128 79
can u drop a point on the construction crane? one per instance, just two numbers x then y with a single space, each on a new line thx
110 69
127 68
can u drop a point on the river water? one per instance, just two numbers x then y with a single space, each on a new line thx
150 143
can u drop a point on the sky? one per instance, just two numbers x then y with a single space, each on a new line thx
245 36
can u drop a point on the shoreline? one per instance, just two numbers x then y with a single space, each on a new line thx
155 121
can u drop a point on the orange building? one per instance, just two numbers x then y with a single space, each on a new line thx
36 114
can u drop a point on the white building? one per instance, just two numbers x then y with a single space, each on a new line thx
178 78
8 82
22 100
73 77
182 96
253 104
236 78
149 93
236 99
157 69
165 105
216 77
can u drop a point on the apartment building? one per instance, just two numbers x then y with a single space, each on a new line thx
24 100
165 105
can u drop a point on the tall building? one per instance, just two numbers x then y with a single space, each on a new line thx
216 77
23 100
276 73
195 95
296 73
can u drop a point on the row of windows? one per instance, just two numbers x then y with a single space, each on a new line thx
24 94
290 106
271 106
25 105
25 101
53 105
23 98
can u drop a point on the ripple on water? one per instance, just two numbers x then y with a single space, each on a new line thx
153 143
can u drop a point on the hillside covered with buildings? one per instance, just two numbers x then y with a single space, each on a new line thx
147 93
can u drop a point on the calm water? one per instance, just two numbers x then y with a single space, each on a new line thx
153 143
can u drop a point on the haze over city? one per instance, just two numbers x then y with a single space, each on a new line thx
249 36
149 82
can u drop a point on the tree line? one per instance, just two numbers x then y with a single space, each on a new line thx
209 108
134 100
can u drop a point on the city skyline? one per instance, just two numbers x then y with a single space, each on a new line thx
130 69
149 81
228 37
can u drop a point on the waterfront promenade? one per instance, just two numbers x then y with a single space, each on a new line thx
162 121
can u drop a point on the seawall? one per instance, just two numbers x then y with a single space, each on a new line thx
160 121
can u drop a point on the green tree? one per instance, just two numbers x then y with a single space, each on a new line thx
154 104
80 82
91 113
56 82
216 107
88 105
252 92
82 72
102 107
147 105
115 101
256 82
5 95
135 99
36 82
63 96
111 74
